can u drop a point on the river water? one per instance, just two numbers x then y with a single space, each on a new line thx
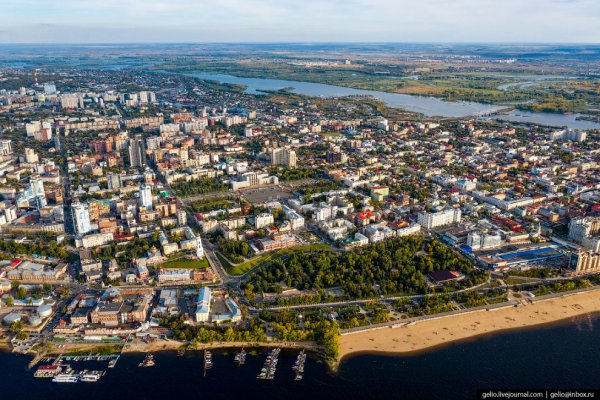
429 106
559 356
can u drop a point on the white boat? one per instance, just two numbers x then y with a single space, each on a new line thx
65 378
90 377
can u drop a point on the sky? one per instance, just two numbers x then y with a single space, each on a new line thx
129 21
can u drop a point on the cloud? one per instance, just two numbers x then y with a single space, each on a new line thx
307 20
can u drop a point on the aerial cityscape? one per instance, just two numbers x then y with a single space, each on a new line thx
362 213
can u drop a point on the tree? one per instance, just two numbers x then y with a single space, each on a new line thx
9 301
21 293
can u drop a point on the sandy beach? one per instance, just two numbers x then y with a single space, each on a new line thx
430 333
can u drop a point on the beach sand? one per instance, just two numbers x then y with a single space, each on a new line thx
429 333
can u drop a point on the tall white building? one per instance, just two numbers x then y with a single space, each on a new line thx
146 196
37 190
430 220
283 156
81 218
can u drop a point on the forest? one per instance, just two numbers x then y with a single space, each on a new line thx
396 266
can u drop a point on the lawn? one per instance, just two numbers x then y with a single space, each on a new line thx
185 263
241 269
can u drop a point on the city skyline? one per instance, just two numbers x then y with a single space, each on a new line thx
109 21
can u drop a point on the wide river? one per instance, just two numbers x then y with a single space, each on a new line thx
429 106
565 355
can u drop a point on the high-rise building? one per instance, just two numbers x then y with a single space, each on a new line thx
283 156
81 218
137 152
38 192
146 196
586 232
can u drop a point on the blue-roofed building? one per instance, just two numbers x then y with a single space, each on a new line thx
203 305
234 313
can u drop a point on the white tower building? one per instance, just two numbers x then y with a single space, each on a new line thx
81 219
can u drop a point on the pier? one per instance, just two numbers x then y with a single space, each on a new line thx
207 361
270 367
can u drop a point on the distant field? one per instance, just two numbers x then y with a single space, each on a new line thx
185 263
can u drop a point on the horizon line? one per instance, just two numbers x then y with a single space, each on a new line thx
298 42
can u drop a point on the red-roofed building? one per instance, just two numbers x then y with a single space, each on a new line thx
365 218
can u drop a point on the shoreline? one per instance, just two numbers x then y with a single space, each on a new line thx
436 332
172 345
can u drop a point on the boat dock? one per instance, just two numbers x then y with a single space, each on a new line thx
108 357
270 367
207 361
298 367
148 361
240 358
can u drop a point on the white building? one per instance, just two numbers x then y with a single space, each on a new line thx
146 196
94 240
263 220
203 305
296 220
283 156
6 148
30 156
480 240
465 185
81 218
430 220
412 229
573 135
378 232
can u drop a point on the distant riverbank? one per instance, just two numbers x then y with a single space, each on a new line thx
426 105
438 331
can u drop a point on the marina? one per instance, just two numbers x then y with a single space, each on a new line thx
148 361
207 361
298 367
270 366
60 372
365 376
240 358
